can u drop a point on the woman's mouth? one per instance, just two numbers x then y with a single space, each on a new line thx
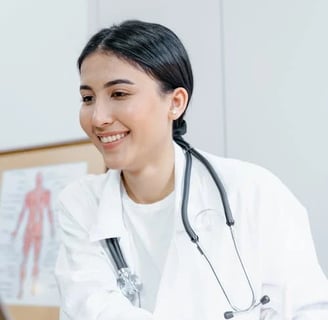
113 138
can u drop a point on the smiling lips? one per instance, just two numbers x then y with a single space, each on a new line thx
113 138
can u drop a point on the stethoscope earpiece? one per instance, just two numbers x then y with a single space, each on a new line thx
265 299
230 314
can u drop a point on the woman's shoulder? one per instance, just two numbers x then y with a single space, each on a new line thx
79 199
240 170
255 185
248 178
87 186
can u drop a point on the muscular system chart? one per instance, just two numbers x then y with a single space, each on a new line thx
28 237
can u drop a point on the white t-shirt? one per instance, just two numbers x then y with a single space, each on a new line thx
151 230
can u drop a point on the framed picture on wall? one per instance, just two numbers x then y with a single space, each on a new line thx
31 180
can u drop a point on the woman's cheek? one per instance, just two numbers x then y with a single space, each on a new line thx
85 121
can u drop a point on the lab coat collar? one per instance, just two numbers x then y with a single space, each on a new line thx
203 194
180 164
109 217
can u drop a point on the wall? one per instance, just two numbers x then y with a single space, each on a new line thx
41 41
276 78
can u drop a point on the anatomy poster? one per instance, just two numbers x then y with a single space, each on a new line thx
29 238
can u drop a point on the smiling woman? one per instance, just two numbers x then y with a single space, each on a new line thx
123 255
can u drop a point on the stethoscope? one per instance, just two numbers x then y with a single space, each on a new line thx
129 283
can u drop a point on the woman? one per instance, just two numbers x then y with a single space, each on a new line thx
136 83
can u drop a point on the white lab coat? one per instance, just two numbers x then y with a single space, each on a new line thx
272 232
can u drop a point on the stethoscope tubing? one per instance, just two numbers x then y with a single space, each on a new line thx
223 195
116 252
229 221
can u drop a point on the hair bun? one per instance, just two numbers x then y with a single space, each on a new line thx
179 128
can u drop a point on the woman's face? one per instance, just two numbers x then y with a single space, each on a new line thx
124 112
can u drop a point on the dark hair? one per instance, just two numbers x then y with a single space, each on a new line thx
154 48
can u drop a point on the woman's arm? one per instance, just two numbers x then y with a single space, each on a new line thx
307 286
301 286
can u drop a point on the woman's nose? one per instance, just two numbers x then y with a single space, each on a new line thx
102 114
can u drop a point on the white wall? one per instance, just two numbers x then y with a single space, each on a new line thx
276 79
40 42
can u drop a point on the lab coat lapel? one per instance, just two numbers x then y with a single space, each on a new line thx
108 221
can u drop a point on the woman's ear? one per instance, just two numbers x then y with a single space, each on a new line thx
179 99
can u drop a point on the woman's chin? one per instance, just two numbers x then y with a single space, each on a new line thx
115 162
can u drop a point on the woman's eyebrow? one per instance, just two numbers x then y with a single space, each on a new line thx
117 81
108 84
85 87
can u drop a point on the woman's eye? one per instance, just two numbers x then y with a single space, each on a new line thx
87 99
119 94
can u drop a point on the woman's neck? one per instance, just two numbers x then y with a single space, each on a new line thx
154 182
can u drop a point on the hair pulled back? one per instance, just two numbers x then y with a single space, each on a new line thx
152 47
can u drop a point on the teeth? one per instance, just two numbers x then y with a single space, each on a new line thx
112 138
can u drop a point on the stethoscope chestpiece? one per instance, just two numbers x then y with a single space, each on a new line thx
129 283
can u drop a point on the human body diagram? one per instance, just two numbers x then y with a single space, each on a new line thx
37 202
